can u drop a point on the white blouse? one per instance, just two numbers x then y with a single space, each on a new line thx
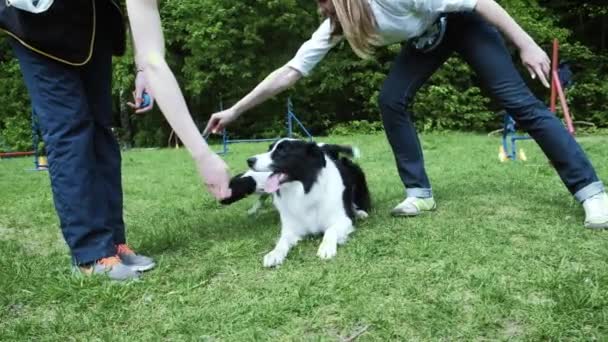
397 21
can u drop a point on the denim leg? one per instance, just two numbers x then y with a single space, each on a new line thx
482 46
408 73
67 126
97 80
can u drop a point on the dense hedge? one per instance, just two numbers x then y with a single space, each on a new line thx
221 49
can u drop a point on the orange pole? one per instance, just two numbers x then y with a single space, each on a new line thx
562 100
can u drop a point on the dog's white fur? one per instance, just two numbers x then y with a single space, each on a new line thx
321 210
259 178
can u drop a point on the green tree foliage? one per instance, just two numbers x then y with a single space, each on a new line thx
221 49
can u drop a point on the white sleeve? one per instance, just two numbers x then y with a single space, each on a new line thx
439 6
313 51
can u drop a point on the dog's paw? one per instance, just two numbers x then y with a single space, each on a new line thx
273 259
327 250
253 210
362 215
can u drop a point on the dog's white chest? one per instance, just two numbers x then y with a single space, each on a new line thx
315 211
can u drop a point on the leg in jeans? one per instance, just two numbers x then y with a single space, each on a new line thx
68 129
483 48
408 73
97 81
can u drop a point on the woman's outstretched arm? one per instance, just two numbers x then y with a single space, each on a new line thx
149 44
533 57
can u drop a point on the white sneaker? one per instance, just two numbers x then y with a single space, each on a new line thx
414 206
596 211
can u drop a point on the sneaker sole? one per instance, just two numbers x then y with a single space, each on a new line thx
80 273
597 226
138 268
399 214
402 214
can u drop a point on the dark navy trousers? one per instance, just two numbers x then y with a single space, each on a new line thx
483 48
74 109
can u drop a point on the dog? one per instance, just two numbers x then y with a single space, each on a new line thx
315 189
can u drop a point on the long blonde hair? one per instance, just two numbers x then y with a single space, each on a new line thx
354 19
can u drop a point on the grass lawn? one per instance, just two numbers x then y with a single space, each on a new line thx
505 256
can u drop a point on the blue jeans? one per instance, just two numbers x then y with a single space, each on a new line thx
74 110
483 48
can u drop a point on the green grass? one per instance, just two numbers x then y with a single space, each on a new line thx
505 256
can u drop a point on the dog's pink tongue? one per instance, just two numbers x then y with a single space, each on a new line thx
273 183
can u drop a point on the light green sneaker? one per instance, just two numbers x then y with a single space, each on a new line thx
414 206
596 211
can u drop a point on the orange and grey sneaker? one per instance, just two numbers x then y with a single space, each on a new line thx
111 267
135 261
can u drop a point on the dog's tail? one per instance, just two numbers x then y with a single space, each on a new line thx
361 196
336 151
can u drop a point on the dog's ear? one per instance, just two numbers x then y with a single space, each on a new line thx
313 150
334 151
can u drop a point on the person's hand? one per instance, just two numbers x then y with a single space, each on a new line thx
537 62
214 172
140 88
219 121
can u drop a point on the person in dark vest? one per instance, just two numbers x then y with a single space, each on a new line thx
65 51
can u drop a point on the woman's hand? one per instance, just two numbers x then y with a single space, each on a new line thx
533 57
214 172
537 62
141 86
219 121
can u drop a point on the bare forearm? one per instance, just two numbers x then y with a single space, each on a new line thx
275 83
497 16
149 43
171 102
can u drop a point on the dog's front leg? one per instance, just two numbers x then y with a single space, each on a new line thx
336 233
258 204
287 240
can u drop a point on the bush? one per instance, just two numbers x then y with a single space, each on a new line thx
357 127
220 50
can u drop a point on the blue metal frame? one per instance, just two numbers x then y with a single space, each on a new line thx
289 121
509 133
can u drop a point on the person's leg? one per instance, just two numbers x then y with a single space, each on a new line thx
67 127
97 80
408 73
483 48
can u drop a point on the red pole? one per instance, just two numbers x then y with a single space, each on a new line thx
562 99
554 79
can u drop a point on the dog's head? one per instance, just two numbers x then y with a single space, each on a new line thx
289 160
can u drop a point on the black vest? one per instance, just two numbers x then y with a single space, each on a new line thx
66 31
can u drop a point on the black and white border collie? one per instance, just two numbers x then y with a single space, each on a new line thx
315 189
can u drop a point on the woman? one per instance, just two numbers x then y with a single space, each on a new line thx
155 77
437 28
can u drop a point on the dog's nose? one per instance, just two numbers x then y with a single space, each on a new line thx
251 161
